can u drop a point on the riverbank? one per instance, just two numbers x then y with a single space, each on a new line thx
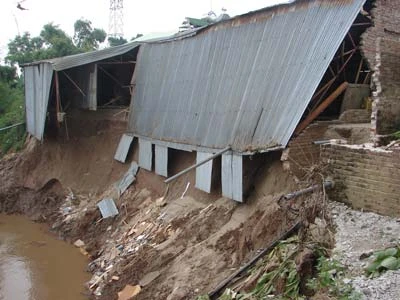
35 264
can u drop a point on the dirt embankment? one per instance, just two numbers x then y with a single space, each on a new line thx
174 247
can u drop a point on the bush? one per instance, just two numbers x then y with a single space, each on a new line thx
11 112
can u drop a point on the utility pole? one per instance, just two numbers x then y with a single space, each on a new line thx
116 26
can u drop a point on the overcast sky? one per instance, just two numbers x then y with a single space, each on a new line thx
140 16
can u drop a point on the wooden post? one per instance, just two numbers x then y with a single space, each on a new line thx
324 104
359 70
57 98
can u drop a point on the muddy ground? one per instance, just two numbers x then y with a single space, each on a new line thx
174 246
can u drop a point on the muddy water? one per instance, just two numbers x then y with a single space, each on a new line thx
36 266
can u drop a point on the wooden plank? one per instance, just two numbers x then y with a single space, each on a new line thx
204 172
145 154
161 160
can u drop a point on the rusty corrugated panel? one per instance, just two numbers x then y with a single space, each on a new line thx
244 82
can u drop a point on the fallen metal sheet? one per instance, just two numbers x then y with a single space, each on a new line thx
123 147
145 154
232 176
127 179
107 208
204 172
161 154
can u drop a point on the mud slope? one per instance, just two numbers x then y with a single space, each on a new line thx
174 247
82 162
177 247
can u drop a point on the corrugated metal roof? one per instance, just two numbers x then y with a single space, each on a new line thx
67 62
244 82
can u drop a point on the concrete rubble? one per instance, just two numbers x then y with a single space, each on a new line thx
360 234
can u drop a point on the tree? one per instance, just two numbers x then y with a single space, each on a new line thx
11 109
137 36
113 41
52 42
8 74
86 37
57 43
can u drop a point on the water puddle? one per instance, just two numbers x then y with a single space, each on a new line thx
36 266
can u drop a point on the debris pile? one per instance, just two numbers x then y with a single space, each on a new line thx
358 235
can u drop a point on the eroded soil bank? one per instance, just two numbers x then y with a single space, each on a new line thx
174 246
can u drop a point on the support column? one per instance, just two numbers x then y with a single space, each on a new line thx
204 172
145 154
232 176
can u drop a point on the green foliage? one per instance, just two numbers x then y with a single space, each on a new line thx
87 38
8 74
203 297
330 278
286 272
112 41
54 42
396 135
388 259
11 112
280 278
137 36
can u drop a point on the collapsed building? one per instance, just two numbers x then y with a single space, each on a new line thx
248 85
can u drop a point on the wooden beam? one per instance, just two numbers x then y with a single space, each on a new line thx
314 114
111 76
359 70
73 82
117 63
57 97
339 71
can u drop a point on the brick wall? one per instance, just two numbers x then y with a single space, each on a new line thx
356 116
365 178
302 153
381 47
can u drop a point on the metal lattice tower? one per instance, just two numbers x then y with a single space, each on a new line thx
116 28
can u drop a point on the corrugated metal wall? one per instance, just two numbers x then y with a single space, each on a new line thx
244 83
37 88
